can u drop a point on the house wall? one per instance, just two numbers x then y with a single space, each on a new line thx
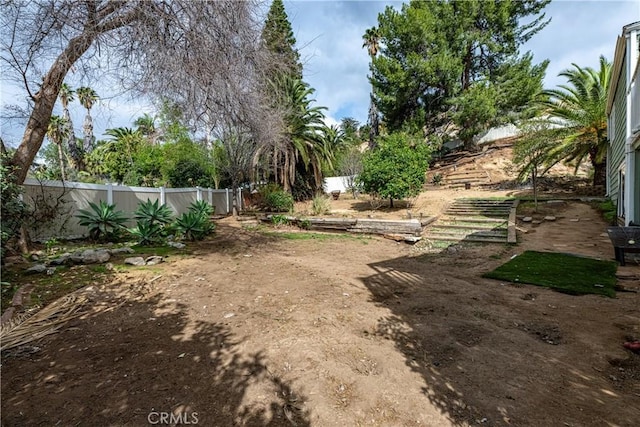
615 155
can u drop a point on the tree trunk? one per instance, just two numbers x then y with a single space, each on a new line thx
391 202
599 168
61 162
44 100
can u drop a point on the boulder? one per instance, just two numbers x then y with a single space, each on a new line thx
91 256
153 260
137 260
124 250
62 259
527 219
38 268
549 218
176 245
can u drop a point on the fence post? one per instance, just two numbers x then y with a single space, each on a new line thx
198 194
227 199
109 193
240 199
210 195
163 197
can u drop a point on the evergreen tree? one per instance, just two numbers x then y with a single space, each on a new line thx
456 62
277 35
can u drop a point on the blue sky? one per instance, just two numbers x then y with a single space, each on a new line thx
329 38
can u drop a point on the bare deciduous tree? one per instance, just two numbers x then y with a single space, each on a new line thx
203 56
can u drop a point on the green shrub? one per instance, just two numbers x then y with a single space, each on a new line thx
148 233
609 211
305 224
320 205
275 199
280 220
13 210
202 208
437 179
192 226
103 221
154 213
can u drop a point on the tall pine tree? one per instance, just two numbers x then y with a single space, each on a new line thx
456 62
278 37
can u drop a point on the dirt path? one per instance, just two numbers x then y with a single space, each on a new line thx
259 330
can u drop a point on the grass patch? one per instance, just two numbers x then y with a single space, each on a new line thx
49 288
313 236
566 273
164 250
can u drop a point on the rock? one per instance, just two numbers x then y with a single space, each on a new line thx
527 219
109 266
574 219
176 245
536 222
555 202
153 260
38 268
51 271
91 256
137 260
549 218
452 250
76 258
125 250
62 259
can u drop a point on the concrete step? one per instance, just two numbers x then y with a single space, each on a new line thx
466 239
478 212
462 233
471 219
468 226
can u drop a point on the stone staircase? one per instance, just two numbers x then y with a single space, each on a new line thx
471 177
474 220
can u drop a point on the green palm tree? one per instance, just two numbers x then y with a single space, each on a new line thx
371 39
146 125
58 132
580 106
87 98
302 147
303 137
66 96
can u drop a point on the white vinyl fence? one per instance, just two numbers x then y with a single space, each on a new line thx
72 196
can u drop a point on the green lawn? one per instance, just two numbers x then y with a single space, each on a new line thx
567 273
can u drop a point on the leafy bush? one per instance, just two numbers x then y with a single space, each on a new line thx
609 211
436 179
193 226
153 221
202 208
275 199
320 205
13 210
280 220
154 213
102 220
148 233
396 169
305 224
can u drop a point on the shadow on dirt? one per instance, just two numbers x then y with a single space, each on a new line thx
478 353
135 360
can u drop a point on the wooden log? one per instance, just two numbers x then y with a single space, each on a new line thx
381 226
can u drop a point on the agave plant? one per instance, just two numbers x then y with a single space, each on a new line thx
147 233
154 213
202 207
192 226
103 220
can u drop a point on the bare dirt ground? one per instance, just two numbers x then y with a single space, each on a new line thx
253 329
257 329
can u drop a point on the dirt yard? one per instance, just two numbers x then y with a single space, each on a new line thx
255 329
